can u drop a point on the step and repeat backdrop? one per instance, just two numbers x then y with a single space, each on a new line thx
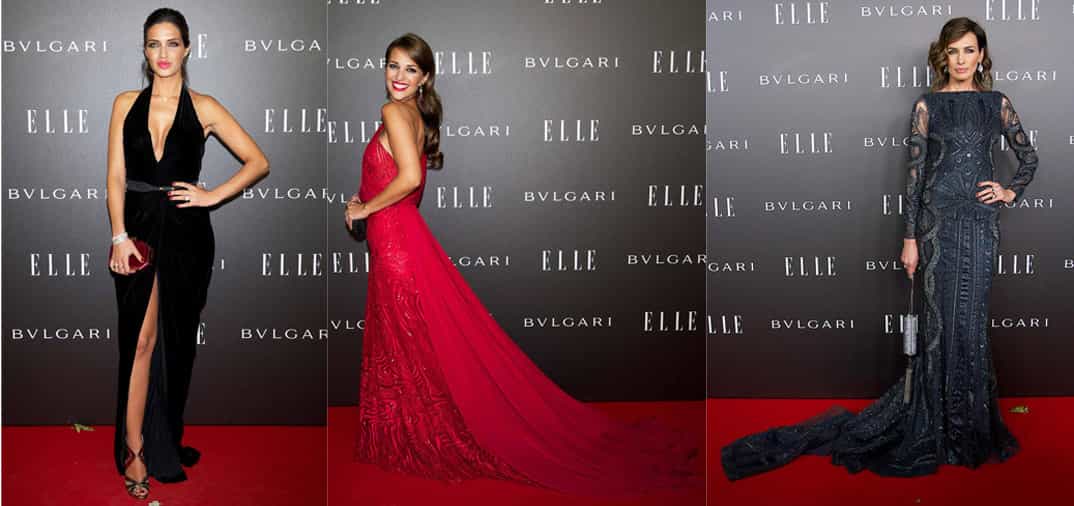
808 107
572 192
263 338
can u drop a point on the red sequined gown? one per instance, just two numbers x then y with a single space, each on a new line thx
446 394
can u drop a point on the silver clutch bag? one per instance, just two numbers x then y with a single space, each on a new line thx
909 344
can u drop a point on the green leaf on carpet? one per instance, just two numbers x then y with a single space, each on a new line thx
79 428
1020 409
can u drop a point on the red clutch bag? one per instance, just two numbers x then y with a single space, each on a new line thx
143 249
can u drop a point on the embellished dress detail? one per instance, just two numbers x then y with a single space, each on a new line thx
951 414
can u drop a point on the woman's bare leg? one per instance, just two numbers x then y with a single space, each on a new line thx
139 385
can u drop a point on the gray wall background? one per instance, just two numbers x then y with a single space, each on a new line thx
263 61
627 359
877 54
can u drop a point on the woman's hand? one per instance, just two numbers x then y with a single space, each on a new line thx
121 253
356 210
909 257
994 192
192 195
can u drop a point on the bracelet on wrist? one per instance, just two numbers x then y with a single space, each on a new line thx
117 239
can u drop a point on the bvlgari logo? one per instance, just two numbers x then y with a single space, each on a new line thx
281 46
678 61
812 324
294 193
1031 322
725 324
56 46
724 16
668 321
894 142
464 197
567 321
289 334
1025 75
717 84
905 11
803 79
463 130
463 63
568 196
59 265
666 129
1030 203
577 130
727 144
348 262
805 206
723 207
287 120
809 266
1012 10
60 334
1016 264
905 76
802 13
359 3
356 63
805 143
682 195
292 264
882 265
724 266
62 121
347 325
478 261
568 63
665 259
54 193
558 260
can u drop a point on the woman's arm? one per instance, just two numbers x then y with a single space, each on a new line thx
1023 149
116 178
407 155
216 119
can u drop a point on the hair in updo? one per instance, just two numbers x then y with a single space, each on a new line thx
953 30
428 100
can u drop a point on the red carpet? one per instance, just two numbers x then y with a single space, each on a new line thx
1041 474
351 483
240 465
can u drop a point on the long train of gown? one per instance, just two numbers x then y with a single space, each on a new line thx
951 414
183 243
446 394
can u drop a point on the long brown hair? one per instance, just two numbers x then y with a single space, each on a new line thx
953 30
165 15
432 111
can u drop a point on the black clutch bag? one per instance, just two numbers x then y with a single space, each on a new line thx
358 229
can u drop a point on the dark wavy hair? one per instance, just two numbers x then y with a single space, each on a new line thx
165 15
429 105
953 30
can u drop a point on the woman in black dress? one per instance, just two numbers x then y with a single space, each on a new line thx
156 140
944 409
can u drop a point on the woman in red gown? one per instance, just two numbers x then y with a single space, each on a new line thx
445 393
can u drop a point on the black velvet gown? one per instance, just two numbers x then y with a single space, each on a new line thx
950 414
182 241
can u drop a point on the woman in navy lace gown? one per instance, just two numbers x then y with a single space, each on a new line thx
950 414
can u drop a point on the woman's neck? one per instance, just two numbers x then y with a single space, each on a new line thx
167 86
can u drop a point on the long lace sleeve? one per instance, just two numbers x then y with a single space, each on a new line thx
1023 149
919 135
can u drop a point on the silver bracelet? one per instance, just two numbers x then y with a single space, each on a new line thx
119 238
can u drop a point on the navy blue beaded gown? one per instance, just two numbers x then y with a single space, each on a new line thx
950 414
183 247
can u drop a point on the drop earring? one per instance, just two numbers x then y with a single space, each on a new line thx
980 68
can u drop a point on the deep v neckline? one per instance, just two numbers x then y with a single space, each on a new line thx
168 134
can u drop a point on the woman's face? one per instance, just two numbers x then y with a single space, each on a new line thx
164 49
963 55
402 76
